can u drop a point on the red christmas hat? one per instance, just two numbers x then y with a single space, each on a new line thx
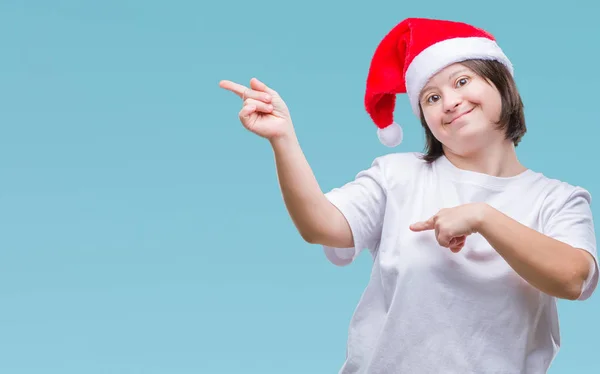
411 53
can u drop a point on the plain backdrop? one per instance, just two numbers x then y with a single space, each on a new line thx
142 228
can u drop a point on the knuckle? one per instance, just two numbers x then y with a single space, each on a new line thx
250 102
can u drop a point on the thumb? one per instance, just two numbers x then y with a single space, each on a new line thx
423 225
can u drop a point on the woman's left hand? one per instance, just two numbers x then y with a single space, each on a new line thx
453 225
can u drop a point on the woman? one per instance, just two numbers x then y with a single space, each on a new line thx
471 249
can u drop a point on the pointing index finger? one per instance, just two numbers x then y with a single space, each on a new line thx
236 88
422 226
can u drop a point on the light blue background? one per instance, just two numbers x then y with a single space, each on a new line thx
141 227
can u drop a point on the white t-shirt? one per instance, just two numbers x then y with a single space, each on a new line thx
428 310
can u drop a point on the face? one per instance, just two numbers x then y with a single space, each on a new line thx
461 109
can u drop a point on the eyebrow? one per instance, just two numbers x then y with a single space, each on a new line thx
427 88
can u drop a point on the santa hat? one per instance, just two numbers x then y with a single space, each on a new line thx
411 53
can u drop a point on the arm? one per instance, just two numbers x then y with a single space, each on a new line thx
550 265
317 220
265 113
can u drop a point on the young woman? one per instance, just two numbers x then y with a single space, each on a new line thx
470 248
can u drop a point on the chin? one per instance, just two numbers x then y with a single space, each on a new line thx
473 131
468 142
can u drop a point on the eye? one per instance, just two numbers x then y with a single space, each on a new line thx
433 98
462 82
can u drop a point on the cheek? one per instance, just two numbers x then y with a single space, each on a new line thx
435 128
496 110
431 124
491 106
432 119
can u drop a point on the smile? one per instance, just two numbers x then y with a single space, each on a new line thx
465 113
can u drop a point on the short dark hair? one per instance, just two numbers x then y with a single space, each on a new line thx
512 117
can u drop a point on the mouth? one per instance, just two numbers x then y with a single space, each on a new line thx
459 116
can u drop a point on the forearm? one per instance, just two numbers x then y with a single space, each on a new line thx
551 266
308 207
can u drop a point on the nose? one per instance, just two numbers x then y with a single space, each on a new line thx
451 101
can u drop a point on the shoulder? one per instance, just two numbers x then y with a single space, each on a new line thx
401 169
400 164
561 200
401 158
559 192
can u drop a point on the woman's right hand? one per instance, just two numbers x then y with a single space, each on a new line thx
263 112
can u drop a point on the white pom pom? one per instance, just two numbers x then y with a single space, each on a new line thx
391 135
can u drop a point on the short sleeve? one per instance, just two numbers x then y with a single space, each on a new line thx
572 223
362 202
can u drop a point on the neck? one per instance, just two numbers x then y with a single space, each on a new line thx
499 160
